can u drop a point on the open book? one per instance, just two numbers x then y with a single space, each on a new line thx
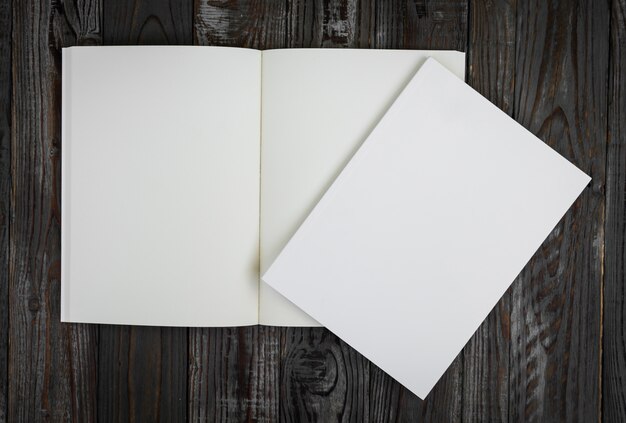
187 169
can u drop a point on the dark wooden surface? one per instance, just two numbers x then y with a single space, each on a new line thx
614 324
552 350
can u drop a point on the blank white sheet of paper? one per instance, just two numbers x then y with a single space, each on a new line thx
425 228
160 190
319 105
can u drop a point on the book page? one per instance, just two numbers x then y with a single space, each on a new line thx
160 198
426 227
318 107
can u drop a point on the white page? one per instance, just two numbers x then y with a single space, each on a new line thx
318 107
160 185
425 228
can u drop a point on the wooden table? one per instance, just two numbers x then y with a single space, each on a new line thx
553 349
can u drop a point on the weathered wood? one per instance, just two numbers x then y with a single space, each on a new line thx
142 374
233 374
614 337
486 368
490 70
5 196
322 378
148 22
421 24
445 401
318 23
392 402
51 365
255 24
561 96
143 370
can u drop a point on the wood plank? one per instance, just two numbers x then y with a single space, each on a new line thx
490 70
561 96
142 374
439 24
392 402
143 370
234 372
5 197
148 22
614 336
318 23
322 379
51 365
254 24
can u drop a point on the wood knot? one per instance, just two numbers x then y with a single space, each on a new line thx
90 40
33 304
316 370
598 187
55 147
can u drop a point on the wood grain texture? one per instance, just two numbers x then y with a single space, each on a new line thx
51 365
257 24
392 402
143 370
233 374
560 95
421 24
490 70
614 337
142 374
5 197
322 378
148 22
318 23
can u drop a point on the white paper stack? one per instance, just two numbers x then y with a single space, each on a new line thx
425 228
